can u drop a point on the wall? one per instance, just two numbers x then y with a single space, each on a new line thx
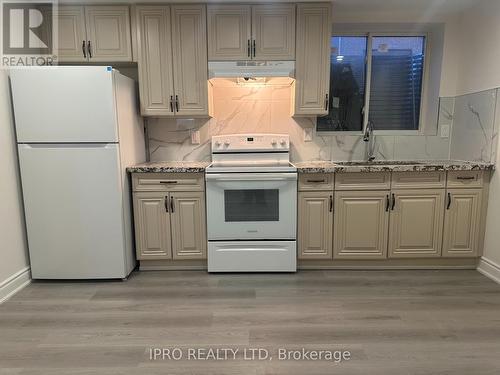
14 263
479 70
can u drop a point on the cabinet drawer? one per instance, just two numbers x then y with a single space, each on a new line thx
416 180
168 182
465 179
363 181
315 181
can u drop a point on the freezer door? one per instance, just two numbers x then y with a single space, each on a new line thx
73 205
64 104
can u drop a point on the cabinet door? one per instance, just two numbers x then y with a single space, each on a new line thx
152 226
189 239
229 32
315 225
416 223
361 224
72 37
312 66
189 43
462 223
273 32
108 31
156 86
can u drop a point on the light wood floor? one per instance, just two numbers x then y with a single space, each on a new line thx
392 322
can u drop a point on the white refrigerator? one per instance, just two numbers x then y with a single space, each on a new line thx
78 128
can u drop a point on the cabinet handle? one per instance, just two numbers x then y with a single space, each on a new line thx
448 205
171 103
466 178
326 102
393 202
83 49
387 203
331 203
177 103
316 181
248 47
89 49
166 203
172 205
254 48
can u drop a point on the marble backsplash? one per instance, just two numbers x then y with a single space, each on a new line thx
258 108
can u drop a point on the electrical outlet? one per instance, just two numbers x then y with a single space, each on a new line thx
195 137
445 131
308 134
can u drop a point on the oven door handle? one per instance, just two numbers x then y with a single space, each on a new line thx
252 177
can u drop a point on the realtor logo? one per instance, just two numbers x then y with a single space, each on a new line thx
27 33
27 28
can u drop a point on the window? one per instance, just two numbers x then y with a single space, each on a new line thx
395 65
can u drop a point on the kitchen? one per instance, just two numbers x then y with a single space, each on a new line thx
331 163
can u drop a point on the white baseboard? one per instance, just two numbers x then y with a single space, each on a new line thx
14 284
489 269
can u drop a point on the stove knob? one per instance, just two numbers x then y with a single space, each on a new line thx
273 142
283 143
226 143
217 144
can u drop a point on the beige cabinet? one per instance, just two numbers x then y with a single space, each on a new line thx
229 32
97 33
416 223
258 32
315 224
462 223
190 59
152 225
188 225
312 66
172 61
108 33
169 216
72 35
361 224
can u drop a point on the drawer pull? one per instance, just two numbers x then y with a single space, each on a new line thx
168 182
316 181
466 178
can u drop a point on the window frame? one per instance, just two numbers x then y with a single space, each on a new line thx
366 107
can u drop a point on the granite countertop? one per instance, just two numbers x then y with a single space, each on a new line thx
170 167
389 165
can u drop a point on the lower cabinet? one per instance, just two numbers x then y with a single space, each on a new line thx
361 224
416 224
187 215
315 224
462 223
170 225
152 226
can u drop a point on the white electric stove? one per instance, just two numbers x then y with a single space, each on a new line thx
251 204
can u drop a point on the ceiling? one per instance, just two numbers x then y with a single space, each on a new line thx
441 6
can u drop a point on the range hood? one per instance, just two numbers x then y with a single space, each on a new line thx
251 69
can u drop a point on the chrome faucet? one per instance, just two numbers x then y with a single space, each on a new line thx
370 139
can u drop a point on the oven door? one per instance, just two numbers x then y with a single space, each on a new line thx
242 206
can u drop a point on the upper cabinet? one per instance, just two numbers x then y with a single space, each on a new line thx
172 60
258 32
97 33
312 66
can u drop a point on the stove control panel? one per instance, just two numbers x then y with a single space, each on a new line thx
250 142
